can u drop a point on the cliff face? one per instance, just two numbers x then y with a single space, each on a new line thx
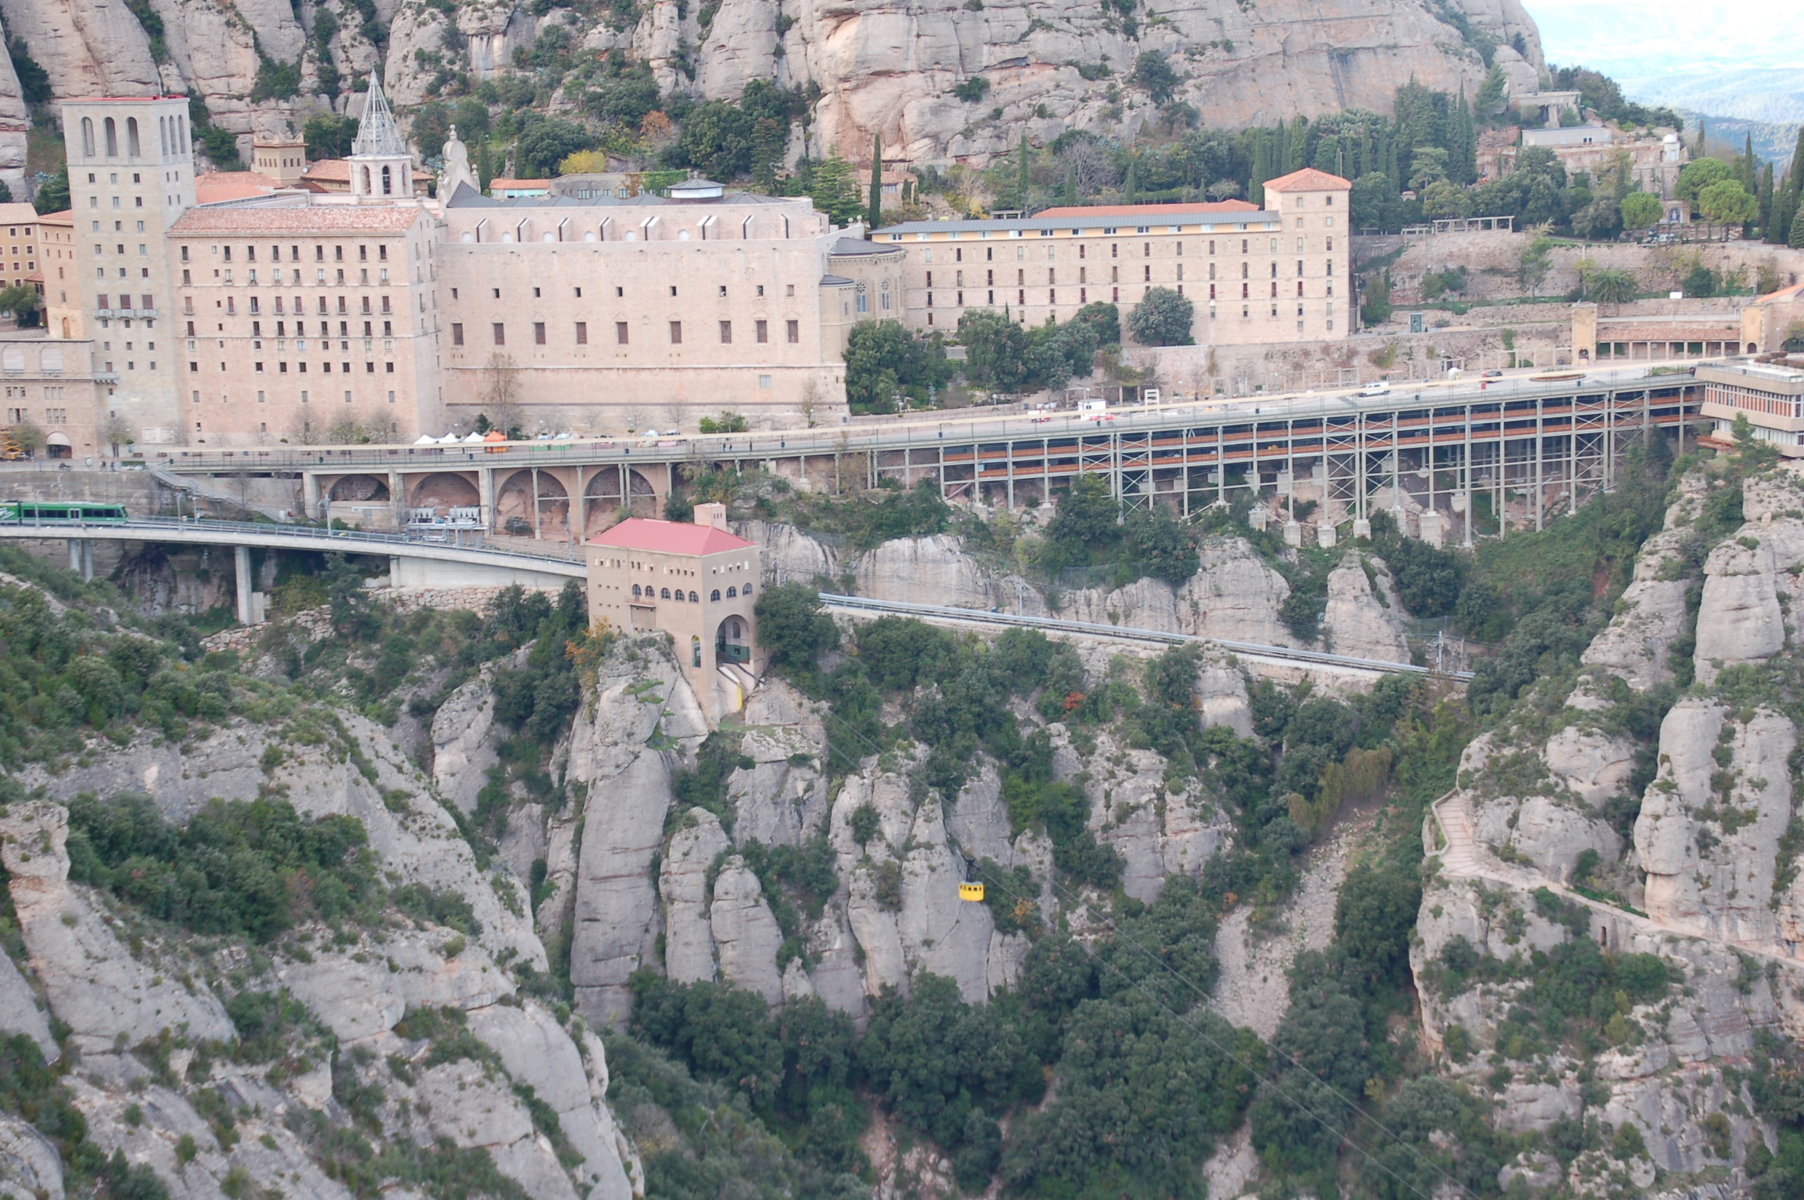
873 66
1551 841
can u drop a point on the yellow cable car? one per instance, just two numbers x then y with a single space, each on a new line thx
971 889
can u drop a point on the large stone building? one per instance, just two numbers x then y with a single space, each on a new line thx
20 242
693 581
1280 274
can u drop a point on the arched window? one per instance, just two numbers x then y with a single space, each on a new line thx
368 190
112 138
748 589
679 596
695 652
87 136
664 594
732 592
694 599
388 183
181 134
635 591
714 595
131 137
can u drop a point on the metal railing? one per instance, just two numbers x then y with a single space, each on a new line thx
1096 629
206 529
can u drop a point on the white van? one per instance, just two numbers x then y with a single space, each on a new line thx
1378 387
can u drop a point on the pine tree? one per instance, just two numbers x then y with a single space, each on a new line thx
875 215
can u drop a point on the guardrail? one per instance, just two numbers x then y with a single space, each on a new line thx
204 529
1097 629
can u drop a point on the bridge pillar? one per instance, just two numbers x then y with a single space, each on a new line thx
310 494
485 496
241 564
394 570
81 557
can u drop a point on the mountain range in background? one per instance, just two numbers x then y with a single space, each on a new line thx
1735 67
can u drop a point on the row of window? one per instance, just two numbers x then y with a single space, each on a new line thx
538 293
369 368
1146 250
294 253
230 305
958 277
646 593
52 416
306 397
792 332
298 280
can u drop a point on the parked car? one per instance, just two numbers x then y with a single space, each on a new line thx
1493 374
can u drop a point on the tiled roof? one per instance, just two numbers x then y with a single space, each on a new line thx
66 217
1146 210
520 183
1794 292
670 537
215 186
259 220
1307 180
338 170
18 213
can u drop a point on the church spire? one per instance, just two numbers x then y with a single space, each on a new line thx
377 134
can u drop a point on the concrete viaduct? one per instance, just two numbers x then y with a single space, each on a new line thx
1513 451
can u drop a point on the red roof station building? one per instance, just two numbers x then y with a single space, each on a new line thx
694 581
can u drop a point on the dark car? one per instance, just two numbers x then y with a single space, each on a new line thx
1493 374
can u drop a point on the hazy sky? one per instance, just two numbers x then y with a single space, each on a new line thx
1621 35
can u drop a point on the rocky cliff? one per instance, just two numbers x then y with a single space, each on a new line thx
870 67
1676 855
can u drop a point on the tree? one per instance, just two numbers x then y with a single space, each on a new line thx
545 142
830 186
1375 308
887 365
1162 318
1103 319
1726 202
1612 286
1153 74
1640 210
874 203
53 193
330 136
1796 240
115 431
726 422
30 437
995 350
793 628
501 395
22 301
1695 176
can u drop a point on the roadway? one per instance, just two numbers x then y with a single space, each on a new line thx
1271 655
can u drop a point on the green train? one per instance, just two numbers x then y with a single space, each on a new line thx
60 512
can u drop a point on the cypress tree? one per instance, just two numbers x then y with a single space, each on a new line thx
1294 159
1069 195
1130 190
876 196
1764 195
1797 229
1463 161
1021 175
1795 177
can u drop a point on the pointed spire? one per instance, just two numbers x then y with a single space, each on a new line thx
377 134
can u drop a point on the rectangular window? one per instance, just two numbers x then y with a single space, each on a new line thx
620 333
676 333
498 331
726 333
761 331
538 333
582 333
793 330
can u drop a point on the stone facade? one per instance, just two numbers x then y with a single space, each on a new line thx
49 383
301 320
695 582
19 245
1254 275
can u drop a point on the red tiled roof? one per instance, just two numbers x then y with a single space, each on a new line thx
1146 210
1307 180
215 186
1794 292
670 537
257 221
66 217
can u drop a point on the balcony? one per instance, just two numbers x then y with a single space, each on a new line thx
727 652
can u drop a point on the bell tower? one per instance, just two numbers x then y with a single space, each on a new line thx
381 166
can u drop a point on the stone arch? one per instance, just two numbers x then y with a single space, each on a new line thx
87 136
445 490
1753 348
388 180
112 138
132 144
602 500
359 489
733 639
518 511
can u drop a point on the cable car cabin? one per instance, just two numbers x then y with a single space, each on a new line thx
970 891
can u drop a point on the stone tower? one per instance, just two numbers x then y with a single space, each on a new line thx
381 166
131 174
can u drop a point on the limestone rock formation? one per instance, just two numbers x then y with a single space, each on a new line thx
1364 618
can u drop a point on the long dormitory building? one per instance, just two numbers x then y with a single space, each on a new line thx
1253 275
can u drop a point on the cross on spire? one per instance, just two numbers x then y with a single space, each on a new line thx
377 134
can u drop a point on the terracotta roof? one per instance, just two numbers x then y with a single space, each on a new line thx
670 537
1307 180
66 217
338 170
1146 210
261 220
519 183
1794 292
215 186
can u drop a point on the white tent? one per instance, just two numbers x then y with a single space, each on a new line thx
426 439
473 439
